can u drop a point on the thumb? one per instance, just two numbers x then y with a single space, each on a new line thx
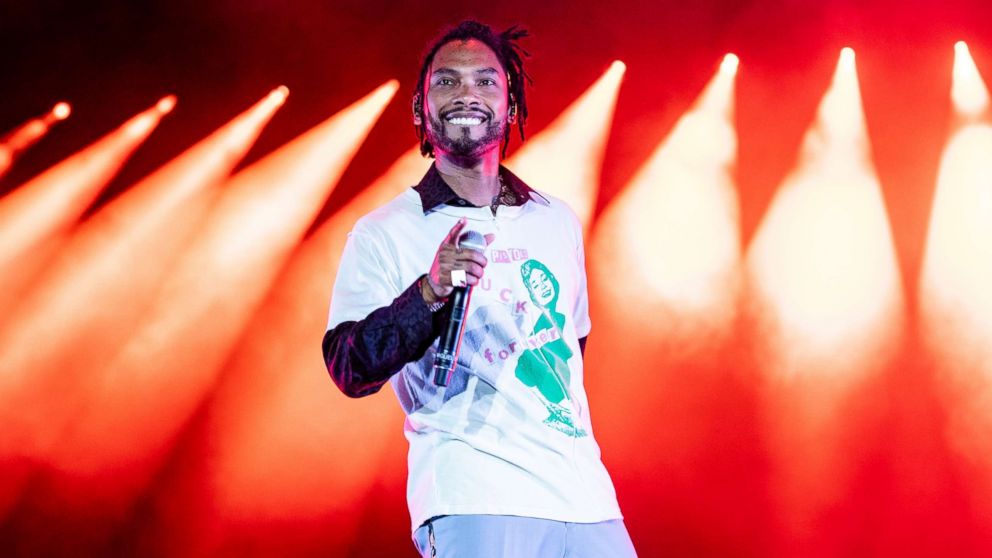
490 238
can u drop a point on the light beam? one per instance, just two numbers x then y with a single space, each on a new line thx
565 160
954 289
150 389
276 394
90 298
26 135
672 235
827 301
34 217
969 93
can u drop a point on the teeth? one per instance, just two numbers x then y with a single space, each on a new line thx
465 121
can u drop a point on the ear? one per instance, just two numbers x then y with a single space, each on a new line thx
418 115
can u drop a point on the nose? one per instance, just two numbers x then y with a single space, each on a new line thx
466 95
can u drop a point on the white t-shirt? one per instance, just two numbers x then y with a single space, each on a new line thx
511 433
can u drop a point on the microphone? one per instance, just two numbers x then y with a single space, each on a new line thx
446 356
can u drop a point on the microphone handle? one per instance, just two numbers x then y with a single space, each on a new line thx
447 350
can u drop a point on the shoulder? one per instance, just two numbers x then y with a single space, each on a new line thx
397 213
554 205
557 213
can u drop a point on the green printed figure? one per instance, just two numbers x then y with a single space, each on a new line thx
544 363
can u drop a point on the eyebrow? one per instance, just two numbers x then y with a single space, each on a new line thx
450 71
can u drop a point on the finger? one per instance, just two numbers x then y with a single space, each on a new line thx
455 231
471 256
473 269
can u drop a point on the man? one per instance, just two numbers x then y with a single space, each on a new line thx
502 460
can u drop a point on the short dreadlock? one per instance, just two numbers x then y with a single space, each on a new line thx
510 56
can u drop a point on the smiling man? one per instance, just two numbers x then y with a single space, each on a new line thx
502 460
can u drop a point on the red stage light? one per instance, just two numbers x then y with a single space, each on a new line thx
61 111
166 104
968 91
827 300
730 63
27 134
690 279
565 159
35 217
84 308
955 299
170 362
275 395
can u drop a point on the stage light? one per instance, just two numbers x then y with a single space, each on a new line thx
61 111
166 104
159 377
279 94
955 300
82 305
35 217
566 158
275 395
827 302
674 229
730 64
822 260
671 241
968 91
24 136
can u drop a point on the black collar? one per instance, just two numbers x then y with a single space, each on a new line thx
434 191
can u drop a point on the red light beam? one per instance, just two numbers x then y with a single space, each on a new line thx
36 214
828 305
276 394
26 135
565 159
90 298
159 377
673 232
955 299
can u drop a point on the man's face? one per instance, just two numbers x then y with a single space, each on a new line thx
465 99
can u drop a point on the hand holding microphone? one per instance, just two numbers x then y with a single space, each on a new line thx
455 255
457 267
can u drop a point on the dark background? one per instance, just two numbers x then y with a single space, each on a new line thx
112 59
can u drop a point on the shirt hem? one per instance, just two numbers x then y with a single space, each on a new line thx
519 511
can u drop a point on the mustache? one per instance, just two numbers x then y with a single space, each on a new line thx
466 112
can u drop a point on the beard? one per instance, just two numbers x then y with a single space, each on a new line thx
464 145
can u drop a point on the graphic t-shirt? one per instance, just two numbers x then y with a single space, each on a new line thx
511 433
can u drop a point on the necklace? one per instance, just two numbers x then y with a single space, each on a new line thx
504 197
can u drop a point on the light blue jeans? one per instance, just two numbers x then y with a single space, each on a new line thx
508 536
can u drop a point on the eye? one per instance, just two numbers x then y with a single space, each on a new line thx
444 81
487 81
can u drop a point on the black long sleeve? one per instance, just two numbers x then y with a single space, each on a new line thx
362 355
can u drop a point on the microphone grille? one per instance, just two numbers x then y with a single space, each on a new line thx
473 240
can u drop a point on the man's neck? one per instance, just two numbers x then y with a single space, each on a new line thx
475 180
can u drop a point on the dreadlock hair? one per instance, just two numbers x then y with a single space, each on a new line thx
510 56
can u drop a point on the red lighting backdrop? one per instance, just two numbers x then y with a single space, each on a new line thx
789 254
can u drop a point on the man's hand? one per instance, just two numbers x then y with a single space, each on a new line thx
450 257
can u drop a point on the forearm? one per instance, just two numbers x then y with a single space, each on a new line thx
362 355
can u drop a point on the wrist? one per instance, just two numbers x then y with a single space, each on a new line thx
434 302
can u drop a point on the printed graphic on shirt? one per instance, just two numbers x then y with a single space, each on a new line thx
543 365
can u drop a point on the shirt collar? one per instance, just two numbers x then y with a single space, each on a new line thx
435 192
